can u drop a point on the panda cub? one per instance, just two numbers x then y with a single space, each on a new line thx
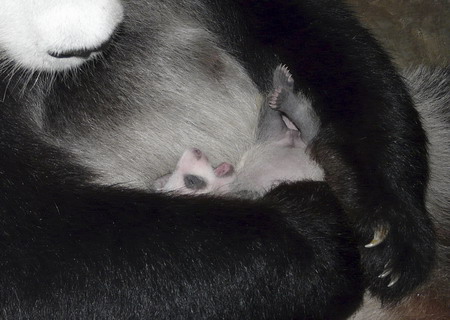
286 128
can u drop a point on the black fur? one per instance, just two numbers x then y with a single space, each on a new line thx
74 250
371 143
80 252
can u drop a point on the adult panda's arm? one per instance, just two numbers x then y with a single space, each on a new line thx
371 143
70 251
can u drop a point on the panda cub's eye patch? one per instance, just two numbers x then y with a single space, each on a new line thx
194 182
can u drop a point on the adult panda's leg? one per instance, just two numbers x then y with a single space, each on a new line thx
371 143
430 89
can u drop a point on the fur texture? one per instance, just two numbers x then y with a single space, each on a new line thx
431 301
83 237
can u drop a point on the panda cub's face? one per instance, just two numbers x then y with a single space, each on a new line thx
194 174
55 35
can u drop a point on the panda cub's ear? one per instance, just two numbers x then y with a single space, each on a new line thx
55 35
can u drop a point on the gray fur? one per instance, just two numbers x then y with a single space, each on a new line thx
150 88
268 164
295 105
280 154
128 146
268 161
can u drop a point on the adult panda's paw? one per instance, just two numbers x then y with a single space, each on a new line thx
398 257
377 169
379 235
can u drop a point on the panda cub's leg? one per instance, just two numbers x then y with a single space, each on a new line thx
295 106
271 126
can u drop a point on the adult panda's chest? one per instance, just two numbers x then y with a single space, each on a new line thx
131 116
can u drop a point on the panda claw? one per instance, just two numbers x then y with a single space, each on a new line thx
394 280
385 273
378 237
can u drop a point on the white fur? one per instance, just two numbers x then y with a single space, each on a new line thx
189 163
268 164
30 29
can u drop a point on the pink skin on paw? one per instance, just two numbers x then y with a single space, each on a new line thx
273 100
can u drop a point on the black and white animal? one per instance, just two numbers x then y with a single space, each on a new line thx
279 155
286 130
194 174
98 98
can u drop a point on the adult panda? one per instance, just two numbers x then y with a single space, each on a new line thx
99 97
430 89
